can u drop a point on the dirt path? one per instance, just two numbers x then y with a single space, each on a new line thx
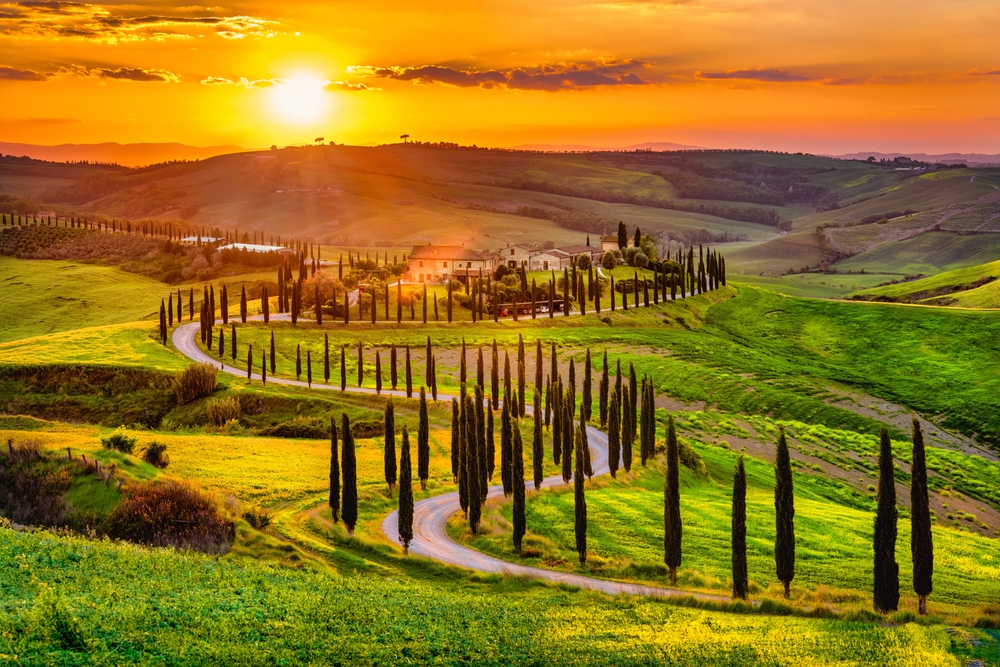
430 516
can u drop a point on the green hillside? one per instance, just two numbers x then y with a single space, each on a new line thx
972 287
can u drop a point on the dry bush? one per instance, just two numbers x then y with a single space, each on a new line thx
223 410
156 454
194 382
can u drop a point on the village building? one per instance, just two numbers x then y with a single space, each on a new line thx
516 256
610 242
438 263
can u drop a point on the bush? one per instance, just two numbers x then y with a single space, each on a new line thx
194 382
609 261
156 454
258 518
172 515
120 441
300 427
583 262
691 459
223 410
368 428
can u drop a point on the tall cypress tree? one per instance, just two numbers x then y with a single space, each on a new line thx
389 453
361 363
741 585
349 466
405 517
461 445
462 370
378 372
472 466
409 375
921 542
163 324
604 388
480 369
480 401
495 377
334 471
520 386
243 304
423 441
614 432
393 375
506 447
343 368
537 445
232 341
326 356
491 450
309 368
272 354
886 596
647 423
517 480
628 430
538 365
556 390
568 433
455 437
672 530
588 468
586 398
580 502
784 514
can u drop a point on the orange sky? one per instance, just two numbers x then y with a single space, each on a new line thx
813 75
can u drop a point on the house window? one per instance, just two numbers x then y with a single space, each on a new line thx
444 264
511 252
421 264
468 265
545 265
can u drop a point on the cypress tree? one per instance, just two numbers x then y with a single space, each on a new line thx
222 342
548 402
517 475
553 362
455 440
921 542
495 378
520 386
604 386
580 502
483 465
423 442
163 324
633 387
741 585
263 367
614 432
265 307
409 375
191 305
334 471
472 466
587 465
462 370
537 445
343 368
405 519
648 425
568 433
556 389
538 364
434 379
784 512
586 399
326 357
243 304
886 596
350 470
506 377
309 368
672 505
463 465
506 447
361 363
232 341
378 372
628 430
491 451
250 362
272 354
428 355
389 452
170 309
480 369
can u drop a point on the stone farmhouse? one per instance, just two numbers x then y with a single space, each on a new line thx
438 263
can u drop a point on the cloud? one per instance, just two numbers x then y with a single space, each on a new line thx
74 20
243 82
563 76
763 75
153 75
995 71
12 74
348 86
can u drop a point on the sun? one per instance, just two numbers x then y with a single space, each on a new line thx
301 99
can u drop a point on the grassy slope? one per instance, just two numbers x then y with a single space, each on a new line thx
926 288
928 253
69 601
819 285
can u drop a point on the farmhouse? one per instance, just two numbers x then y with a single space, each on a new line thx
515 256
438 263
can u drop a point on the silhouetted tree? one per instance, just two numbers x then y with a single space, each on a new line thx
614 432
784 513
921 542
741 585
243 304
517 480
389 452
405 517
672 530
350 471
423 442
537 446
580 503
886 596
334 471
604 389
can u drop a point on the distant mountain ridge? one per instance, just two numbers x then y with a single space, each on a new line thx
130 155
579 148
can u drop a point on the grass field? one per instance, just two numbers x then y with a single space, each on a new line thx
818 285
971 286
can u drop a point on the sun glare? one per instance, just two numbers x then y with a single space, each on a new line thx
300 99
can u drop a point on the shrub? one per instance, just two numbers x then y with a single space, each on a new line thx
32 487
583 262
258 518
223 410
300 427
609 261
368 428
120 441
169 514
156 454
691 459
194 382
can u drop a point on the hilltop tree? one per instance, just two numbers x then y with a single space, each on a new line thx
637 240
921 542
886 596
672 529
389 454
537 446
784 513
517 480
350 471
405 519
334 471
423 442
741 586
614 432
580 502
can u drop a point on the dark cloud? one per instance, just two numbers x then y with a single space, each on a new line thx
242 82
990 72
764 75
571 76
91 21
12 74
136 74
347 85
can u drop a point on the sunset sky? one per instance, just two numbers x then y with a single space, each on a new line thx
813 75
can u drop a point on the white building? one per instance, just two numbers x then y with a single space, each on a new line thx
438 263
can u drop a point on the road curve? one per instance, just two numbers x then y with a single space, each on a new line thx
430 516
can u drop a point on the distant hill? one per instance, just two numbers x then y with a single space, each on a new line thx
575 148
130 155
976 159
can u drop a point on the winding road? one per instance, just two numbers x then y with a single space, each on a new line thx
430 516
